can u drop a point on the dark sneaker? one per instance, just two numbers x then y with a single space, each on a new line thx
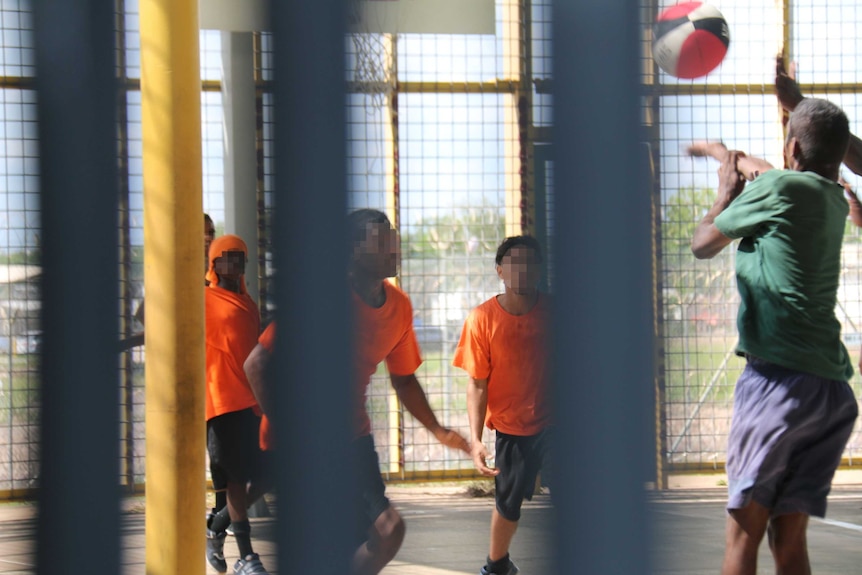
512 570
250 565
215 550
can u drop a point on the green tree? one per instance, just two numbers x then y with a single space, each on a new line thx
471 230
687 279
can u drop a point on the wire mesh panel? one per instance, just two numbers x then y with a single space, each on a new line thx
444 134
439 151
698 299
132 361
20 269
453 218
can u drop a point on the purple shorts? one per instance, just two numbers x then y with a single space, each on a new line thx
787 436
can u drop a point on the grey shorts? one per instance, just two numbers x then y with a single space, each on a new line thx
787 436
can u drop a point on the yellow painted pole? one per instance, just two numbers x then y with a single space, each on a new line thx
173 236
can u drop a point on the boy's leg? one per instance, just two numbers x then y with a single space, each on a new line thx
502 532
384 540
234 436
519 459
379 527
789 545
743 533
219 481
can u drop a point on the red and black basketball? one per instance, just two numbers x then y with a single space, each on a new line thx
690 39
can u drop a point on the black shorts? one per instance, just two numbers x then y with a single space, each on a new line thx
217 475
232 443
519 459
369 497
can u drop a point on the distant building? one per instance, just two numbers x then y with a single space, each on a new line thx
20 306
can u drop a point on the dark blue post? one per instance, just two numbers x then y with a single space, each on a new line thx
603 327
313 377
78 526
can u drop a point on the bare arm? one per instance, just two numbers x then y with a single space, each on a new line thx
853 201
789 96
256 367
413 397
708 241
786 87
749 166
477 403
853 157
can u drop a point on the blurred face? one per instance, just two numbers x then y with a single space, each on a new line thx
230 265
520 270
378 254
209 236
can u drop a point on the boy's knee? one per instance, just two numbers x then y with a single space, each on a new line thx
389 529
788 541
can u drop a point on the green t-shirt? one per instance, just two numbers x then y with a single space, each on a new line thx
787 270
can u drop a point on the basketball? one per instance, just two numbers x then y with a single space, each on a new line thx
690 39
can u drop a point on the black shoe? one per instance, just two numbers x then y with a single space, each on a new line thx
251 565
512 570
215 550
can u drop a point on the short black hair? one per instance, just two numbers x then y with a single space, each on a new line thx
822 130
510 242
358 221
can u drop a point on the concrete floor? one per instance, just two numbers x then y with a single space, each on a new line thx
447 534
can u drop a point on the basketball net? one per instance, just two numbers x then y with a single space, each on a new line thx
373 72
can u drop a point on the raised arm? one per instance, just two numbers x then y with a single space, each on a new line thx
853 157
789 95
708 240
749 166
853 201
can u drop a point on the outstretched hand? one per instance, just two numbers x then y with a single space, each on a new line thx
480 460
786 87
706 149
452 439
748 166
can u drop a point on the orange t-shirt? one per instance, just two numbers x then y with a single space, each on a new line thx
511 352
232 327
267 341
384 333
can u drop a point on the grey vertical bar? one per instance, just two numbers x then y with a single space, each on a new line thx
78 523
312 369
603 327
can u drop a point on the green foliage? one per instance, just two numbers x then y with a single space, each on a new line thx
686 278
471 230
31 257
682 213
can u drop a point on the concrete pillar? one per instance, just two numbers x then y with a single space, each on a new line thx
240 169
